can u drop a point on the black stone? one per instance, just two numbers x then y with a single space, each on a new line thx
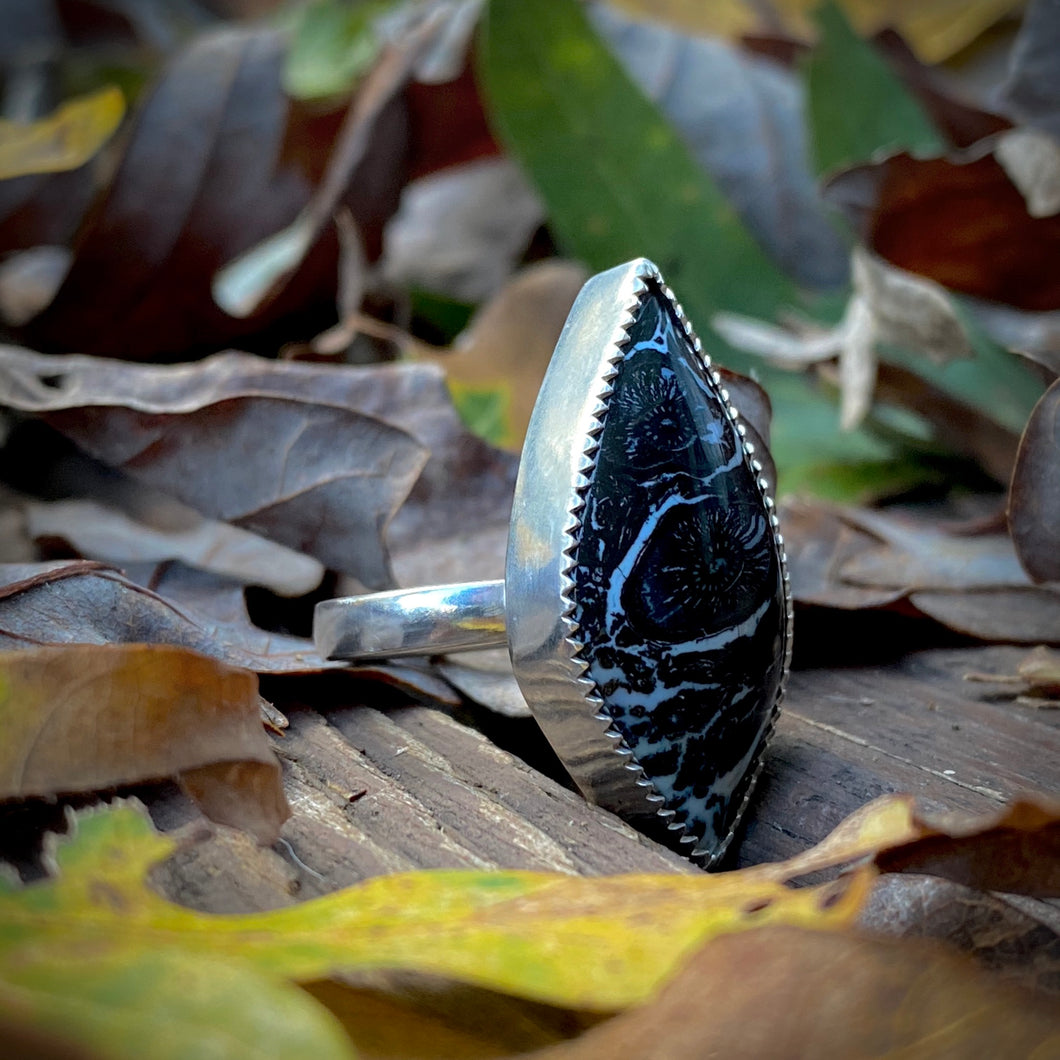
678 593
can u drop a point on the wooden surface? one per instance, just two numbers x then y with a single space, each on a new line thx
375 792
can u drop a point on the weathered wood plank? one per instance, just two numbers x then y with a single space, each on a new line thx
847 736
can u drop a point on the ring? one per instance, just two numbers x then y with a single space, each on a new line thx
646 602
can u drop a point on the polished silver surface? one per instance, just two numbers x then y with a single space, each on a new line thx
556 461
429 621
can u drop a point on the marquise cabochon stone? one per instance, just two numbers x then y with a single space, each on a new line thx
679 599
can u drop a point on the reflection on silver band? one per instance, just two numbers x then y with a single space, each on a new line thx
427 621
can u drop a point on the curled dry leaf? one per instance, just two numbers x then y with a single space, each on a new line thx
1034 493
1016 849
849 558
293 452
802 993
97 531
81 718
1036 682
998 934
82 602
460 231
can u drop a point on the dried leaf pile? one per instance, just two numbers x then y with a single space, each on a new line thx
278 285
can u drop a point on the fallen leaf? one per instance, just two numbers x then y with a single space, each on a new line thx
800 993
1038 674
961 122
917 553
363 176
857 106
1032 161
742 117
957 220
333 45
65 140
1016 849
508 344
461 231
84 602
242 439
1034 492
82 718
596 943
97 531
165 1003
1032 90
432 1019
210 168
852 559
487 678
1018 616
1041 670
1002 937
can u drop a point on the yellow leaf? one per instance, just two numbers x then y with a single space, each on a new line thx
583 943
935 29
66 139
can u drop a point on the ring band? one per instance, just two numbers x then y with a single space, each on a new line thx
646 602
434 620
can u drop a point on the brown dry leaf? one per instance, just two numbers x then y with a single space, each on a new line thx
84 717
82 602
219 160
963 428
1016 849
210 168
295 453
1041 670
819 542
958 221
851 559
364 176
787 992
1001 936
1034 493
98 531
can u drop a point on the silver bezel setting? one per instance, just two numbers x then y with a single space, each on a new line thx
558 460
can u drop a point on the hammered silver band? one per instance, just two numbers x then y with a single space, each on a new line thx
431 620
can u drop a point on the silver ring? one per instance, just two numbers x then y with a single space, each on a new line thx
646 601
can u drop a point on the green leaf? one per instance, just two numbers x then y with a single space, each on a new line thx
485 410
334 44
619 183
856 104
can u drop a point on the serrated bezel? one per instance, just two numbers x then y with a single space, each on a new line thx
556 468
